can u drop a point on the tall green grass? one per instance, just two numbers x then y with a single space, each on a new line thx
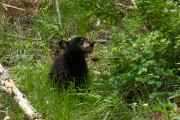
29 64
64 105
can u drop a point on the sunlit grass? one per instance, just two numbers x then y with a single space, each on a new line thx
61 105
29 63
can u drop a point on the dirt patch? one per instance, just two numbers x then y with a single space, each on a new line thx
158 116
21 11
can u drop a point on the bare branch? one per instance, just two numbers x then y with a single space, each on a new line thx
174 97
58 14
7 85
6 5
101 41
125 6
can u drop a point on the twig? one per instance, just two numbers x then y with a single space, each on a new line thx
101 41
6 5
7 85
174 97
58 14
128 7
105 118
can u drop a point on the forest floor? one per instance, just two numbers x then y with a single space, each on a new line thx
22 20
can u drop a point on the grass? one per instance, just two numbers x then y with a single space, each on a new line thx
63 105
29 63
31 77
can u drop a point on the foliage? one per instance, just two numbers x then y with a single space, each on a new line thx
142 65
138 66
103 9
167 106
63 105
75 21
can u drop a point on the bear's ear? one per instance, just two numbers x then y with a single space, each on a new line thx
63 44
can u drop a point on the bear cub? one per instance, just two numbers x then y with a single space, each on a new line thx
71 66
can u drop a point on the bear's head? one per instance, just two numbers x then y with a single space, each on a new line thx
77 44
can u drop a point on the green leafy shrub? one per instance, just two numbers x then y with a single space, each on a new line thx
75 21
166 106
141 64
105 10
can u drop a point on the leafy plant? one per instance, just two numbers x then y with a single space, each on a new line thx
138 64
141 64
104 10
168 108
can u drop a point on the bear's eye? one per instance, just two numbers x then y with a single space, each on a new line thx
81 42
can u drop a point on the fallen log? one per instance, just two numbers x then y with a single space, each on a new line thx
7 85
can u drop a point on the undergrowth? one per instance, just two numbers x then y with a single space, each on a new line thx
135 71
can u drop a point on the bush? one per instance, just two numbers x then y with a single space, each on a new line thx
145 63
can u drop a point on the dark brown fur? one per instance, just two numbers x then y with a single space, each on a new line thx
71 65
